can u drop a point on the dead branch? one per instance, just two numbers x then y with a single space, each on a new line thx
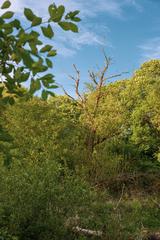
117 205
93 77
72 223
87 232
66 93
101 82
77 80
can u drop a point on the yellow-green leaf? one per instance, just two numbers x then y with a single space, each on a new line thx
47 31
7 15
6 4
29 14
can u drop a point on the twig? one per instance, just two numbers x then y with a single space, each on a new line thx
65 92
117 205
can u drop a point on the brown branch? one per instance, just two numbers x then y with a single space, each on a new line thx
93 77
101 83
77 80
66 93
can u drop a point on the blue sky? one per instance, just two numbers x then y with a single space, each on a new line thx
128 30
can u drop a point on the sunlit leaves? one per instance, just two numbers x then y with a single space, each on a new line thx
46 93
56 13
24 77
47 80
73 16
34 86
68 26
47 31
52 53
36 21
32 17
49 63
46 48
20 46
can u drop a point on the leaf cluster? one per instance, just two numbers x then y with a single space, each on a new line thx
24 56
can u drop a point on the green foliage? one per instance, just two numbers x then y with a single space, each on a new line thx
142 108
20 57
49 198
42 130
48 184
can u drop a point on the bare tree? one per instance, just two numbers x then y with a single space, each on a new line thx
98 80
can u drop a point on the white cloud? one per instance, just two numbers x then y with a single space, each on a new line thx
150 49
87 8
85 37
16 6
64 51
69 43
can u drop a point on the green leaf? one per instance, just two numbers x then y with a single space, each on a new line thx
35 34
1 21
52 53
36 21
44 95
29 14
8 31
47 31
33 47
16 23
56 14
7 25
1 91
46 48
7 15
52 10
72 15
8 28
52 93
27 60
17 74
48 76
76 19
38 67
52 86
24 77
35 86
47 80
6 4
37 64
49 63
60 12
68 26
75 13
